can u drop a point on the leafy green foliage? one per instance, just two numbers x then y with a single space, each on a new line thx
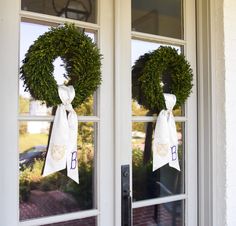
163 70
81 59
31 179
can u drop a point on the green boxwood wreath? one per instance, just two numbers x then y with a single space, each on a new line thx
81 59
163 70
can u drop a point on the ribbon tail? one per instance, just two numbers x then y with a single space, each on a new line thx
72 153
161 142
174 159
56 155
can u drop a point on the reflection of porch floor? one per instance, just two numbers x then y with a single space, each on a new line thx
42 204
145 217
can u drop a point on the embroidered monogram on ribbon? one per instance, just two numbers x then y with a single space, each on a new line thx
62 149
165 143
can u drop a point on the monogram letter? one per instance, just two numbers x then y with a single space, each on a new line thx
73 160
173 153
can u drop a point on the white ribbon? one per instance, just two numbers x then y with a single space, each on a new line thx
62 150
165 143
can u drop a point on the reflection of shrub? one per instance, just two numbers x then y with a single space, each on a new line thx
23 128
55 181
145 184
24 191
141 176
83 193
31 179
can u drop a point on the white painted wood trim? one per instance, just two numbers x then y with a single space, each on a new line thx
57 20
212 150
191 145
156 201
154 118
9 60
204 114
123 127
60 218
106 155
157 38
218 120
51 118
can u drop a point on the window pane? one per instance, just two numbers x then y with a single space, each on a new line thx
166 214
159 17
148 184
90 221
56 193
27 105
84 10
139 48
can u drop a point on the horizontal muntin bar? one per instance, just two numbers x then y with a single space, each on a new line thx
157 38
156 201
51 118
57 20
154 118
60 218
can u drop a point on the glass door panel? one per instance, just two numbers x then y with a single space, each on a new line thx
161 197
158 17
148 184
55 194
84 10
165 214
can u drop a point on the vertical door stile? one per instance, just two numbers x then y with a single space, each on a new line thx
122 28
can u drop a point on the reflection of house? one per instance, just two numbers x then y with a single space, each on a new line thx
36 108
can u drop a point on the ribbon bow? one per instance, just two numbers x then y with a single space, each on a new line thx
62 150
165 143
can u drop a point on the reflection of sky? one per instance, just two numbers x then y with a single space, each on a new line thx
29 32
141 47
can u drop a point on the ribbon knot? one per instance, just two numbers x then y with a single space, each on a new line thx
62 149
68 107
165 143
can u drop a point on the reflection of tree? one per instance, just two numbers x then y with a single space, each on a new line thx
23 105
23 108
86 108
138 109
86 141
147 155
149 128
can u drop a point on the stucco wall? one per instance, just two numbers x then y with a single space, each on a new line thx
230 108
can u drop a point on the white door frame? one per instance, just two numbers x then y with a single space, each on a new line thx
211 103
9 26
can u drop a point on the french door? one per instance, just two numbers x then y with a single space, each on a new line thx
113 129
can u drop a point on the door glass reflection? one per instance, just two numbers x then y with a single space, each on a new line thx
84 10
165 214
158 17
56 193
148 184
